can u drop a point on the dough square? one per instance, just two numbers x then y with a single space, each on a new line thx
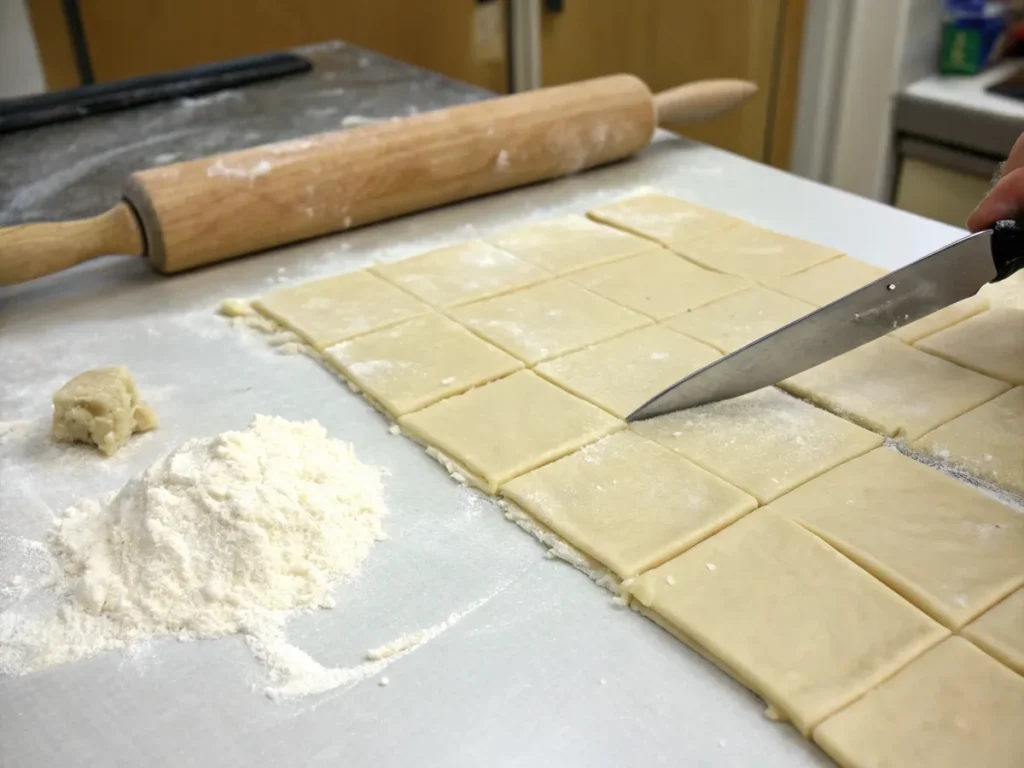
824 283
1000 631
501 430
766 443
408 366
945 546
991 343
658 283
986 442
937 321
628 503
568 244
755 253
737 320
1005 293
623 373
664 219
894 389
786 615
953 707
460 273
337 308
547 320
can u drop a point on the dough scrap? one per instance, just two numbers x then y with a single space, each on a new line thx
658 283
986 442
766 443
547 320
737 320
824 283
459 274
325 312
937 321
953 707
567 244
622 373
894 389
510 426
786 615
628 520
946 547
1000 631
664 219
411 365
755 253
101 407
991 343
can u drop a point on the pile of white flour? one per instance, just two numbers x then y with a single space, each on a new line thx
227 534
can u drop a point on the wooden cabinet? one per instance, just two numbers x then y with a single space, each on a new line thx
669 42
461 38
665 42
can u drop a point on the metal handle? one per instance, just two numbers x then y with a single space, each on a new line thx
1007 248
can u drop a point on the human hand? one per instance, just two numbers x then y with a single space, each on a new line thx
1006 199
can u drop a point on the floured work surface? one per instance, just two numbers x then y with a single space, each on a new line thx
862 559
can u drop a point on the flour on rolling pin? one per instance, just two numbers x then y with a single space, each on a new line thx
190 214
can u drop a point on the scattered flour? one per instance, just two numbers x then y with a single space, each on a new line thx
228 534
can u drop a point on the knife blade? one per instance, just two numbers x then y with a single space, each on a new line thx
944 277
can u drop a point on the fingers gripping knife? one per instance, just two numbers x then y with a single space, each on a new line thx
207 210
950 274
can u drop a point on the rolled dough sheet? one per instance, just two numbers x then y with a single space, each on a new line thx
940 320
568 244
986 442
755 253
1000 631
508 427
664 219
737 320
948 548
787 616
824 283
622 373
991 343
408 366
951 708
460 274
628 503
547 320
894 389
1005 293
766 443
658 283
328 311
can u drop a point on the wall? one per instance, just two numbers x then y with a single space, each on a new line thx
20 70
858 55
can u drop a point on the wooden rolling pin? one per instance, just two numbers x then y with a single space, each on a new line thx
215 208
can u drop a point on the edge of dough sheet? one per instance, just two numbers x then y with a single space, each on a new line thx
560 549
772 711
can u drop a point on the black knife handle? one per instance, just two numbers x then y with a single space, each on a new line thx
1007 248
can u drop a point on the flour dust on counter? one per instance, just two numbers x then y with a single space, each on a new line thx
229 534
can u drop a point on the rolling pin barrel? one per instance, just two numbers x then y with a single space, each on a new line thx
211 209
207 210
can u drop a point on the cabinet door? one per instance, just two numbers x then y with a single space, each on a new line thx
670 42
460 38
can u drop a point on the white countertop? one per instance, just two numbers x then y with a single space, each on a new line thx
968 92
516 681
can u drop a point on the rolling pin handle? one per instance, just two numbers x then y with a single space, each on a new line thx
28 251
701 100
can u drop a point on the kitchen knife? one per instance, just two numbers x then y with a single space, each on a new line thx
946 276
